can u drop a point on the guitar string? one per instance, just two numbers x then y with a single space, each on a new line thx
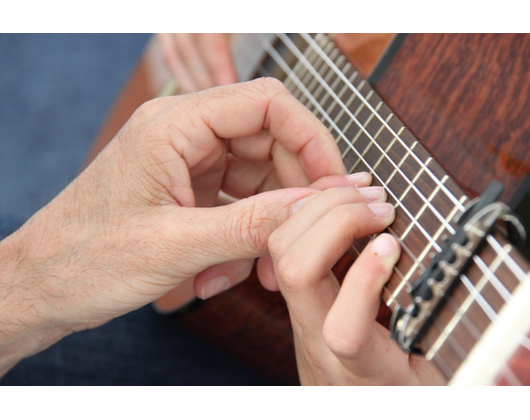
265 71
448 371
499 286
453 344
289 44
491 240
317 48
448 227
488 274
271 50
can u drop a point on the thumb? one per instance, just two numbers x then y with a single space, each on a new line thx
239 230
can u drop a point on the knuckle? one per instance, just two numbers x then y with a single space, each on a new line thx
148 109
341 344
289 275
276 244
343 212
272 85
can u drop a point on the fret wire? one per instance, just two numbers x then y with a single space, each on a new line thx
334 104
314 82
273 53
400 162
440 360
352 78
321 65
288 72
265 72
279 60
333 86
420 212
461 315
348 149
287 42
475 296
303 72
444 367
390 145
513 266
417 262
328 75
332 107
337 118
349 145
312 43
376 135
268 47
465 319
467 323
290 45
348 103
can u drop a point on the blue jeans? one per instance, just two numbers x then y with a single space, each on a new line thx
140 348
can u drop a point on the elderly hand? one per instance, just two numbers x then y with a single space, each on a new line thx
127 230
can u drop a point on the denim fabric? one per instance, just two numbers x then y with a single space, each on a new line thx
140 348
8 226
55 90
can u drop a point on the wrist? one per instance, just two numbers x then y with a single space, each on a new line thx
26 326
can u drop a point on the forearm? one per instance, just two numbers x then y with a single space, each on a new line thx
25 322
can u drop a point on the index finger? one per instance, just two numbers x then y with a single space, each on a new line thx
244 110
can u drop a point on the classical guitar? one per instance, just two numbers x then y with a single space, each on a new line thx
460 294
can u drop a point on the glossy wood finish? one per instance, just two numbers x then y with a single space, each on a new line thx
469 103
467 97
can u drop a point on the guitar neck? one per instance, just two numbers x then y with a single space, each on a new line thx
372 139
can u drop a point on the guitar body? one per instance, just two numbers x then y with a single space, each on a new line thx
467 99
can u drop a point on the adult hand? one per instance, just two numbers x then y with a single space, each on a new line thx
198 61
337 340
127 230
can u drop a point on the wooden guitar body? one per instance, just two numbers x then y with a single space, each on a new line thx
467 99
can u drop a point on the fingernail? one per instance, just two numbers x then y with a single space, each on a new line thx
384 245
381 209
359 177
300 203
372 193
214 286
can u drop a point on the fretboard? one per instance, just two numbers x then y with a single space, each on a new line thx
372 139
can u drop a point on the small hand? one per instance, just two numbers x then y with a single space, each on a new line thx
337 340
